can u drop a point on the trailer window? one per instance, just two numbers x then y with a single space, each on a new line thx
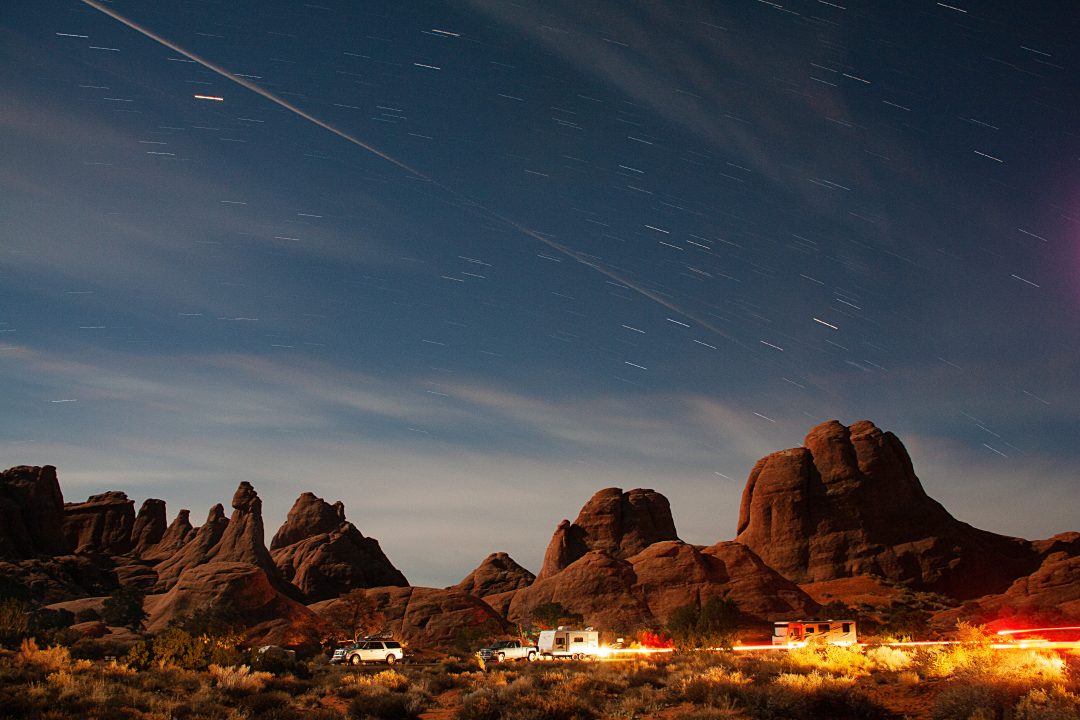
809 629
846 627
823 628
560 640
579 639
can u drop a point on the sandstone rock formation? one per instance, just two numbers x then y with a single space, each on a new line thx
242 592
428 616
673 574
176 536
1049 596
597 586
324 555
101 525
619 523
195 551
52 579
149 527
647 587
849 503
498 573
236 540
31 513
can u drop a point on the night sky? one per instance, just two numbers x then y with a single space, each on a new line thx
462 264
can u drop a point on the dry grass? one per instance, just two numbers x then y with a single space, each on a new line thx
833 659
961 681
889 659
389 679
238 678
47 660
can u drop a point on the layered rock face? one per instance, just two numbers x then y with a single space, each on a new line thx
149 527
428 616
619 523
196 551
241 590
175 537
31 513
629 569
325 556
849 503
498 573
102 524
647 587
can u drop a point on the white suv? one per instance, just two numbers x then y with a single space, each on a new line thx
365 651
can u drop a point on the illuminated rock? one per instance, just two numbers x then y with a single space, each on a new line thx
102 524
498 573
849 503
324 555
620 523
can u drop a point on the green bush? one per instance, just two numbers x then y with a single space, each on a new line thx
124 608
179 648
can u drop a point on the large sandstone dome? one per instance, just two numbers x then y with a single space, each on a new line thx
848 503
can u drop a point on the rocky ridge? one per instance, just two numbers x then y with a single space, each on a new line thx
846 505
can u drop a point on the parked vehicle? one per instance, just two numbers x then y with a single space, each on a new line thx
509 650
833 632
369 651
573 644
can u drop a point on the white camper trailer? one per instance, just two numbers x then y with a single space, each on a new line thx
573 644
832 632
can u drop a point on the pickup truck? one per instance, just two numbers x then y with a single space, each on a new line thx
508 650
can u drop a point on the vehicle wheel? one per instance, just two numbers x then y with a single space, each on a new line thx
355 659
577 656
390 659
532 657
500 657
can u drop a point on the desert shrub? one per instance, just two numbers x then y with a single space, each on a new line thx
14 621
908 677
267 704
178 648
712 624
638 702
712 687
46 660
389 679
967 702
982 664
727 710
290 684
238 678
386 705
1055 703
44 619
889 658
835 659
124 608
649 675
437 683
482 704
814 696
87 615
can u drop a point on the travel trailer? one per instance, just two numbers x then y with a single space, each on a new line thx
573 644
832 632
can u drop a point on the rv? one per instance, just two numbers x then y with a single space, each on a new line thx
832 632
573 644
